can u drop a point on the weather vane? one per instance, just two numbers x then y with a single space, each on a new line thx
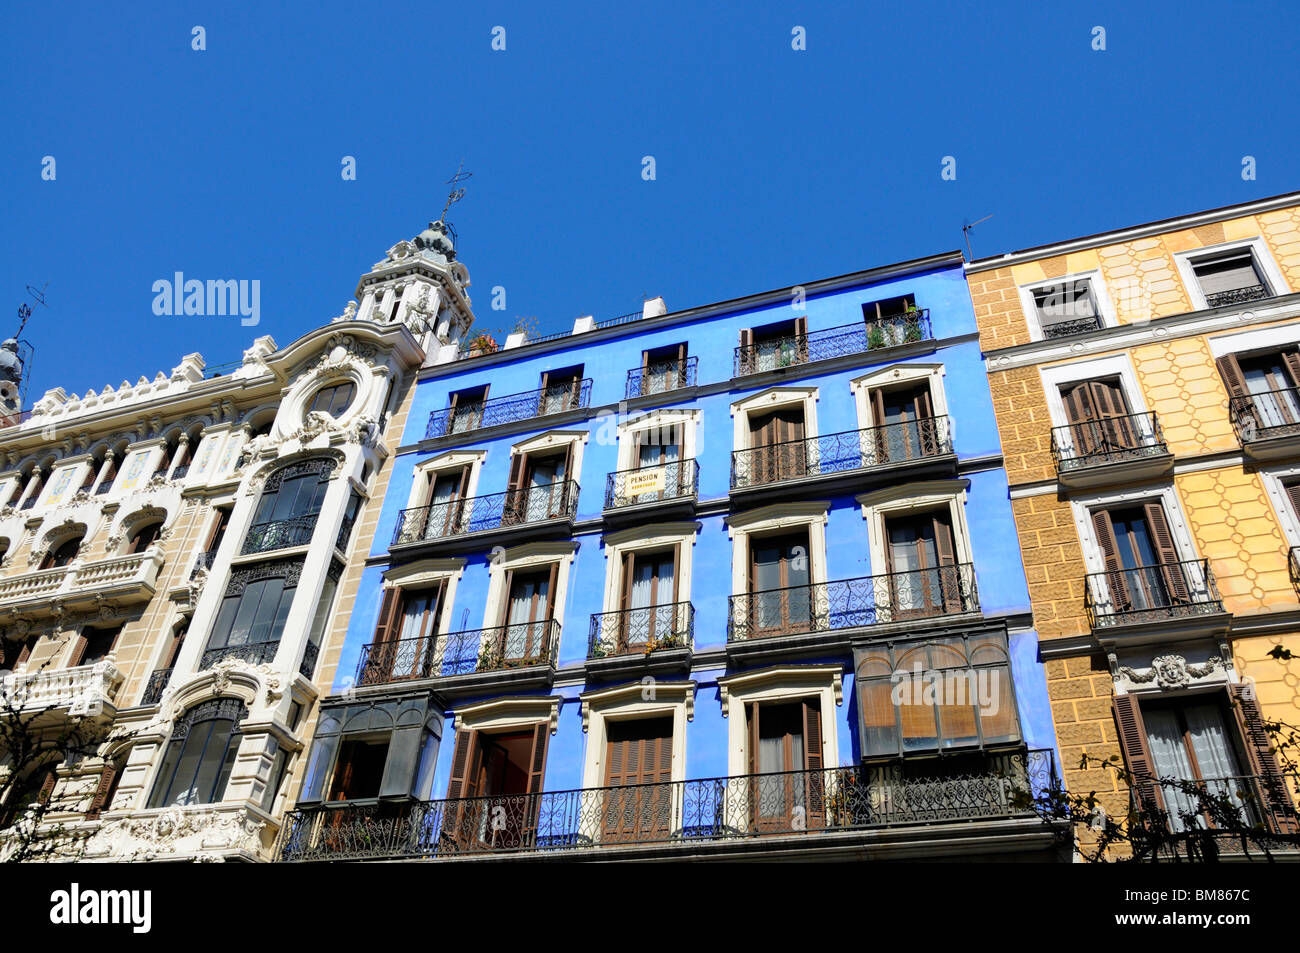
457 193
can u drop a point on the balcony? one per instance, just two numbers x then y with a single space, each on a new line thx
1224 299
807 815
1117 449
522 654
792 350
1233 812
500 411
797 611
254 653
540 507
279 534
1293 563
1176 598
650 640
47 696
675 482
124 579
203 563
153 689
1071 327
887 449
661 378
1267 424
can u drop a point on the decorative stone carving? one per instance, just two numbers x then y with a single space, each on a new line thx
1172 671
196 830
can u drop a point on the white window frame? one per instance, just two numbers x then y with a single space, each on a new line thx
1082 507
1274 479
888 377
913 498
773 398
528 556
647 539
1275 337
768 520
629 703
556 440
781 683
1060 375
1100 297
427 473
425 574
657 420
1263 262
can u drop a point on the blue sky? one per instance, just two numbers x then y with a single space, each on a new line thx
772 166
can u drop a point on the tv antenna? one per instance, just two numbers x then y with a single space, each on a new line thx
965 234
457 192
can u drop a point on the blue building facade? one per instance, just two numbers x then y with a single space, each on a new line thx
740 580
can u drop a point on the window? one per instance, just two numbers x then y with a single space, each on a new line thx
219 527
94 645
291 501
935 695
529 614
662 369
360 770
776 444
466 409
34 793
1264 392
649 600
200 754
780 595
333 399
1066 308
638 752
405 639
773 345
1100 421
13 654
1217 743
1143 570
785 744
368 750
111 467
921 557
447 492
62 554
250 620
656 449
1229 277
144 537
496 770
541 486
165 459
561 390
904 418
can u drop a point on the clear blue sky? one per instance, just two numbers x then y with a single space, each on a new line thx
773 166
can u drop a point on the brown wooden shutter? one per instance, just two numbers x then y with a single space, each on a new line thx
1293 491
1133 742
878 406
46 792
464 773
1292 361
1233 378
801 336
1171 570
537 759
26 652
1259 752
107 774
78 652
1115 581
751 713
746 337
388 611
950 589
814 763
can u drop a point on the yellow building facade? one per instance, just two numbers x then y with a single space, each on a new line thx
1147 389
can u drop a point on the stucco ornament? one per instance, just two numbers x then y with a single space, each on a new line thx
1172 671
182 830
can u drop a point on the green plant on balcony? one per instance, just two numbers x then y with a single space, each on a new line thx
483 343
875 338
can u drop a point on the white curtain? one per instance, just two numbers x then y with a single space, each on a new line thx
544 493
1171 761
440 520
1214 755
1273 407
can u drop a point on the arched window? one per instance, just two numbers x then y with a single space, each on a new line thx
334 399
63 554
286 514
34 792
200 754
144 537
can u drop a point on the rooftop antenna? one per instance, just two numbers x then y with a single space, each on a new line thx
965 234
457 192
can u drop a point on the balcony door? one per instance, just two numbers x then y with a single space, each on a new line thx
638 801
1191 741
905 421
495 791
663 369
1100 420
659 447
785 762
922 564
446 502
539 486
780 585
774 345
649 599
405 643
1265 388
1143 571
530 608
561 391
778 450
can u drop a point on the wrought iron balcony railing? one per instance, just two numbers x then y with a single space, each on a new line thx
661 378
460 653
505 410
307 667
653 484
1071 327
153 689
279 534
852 603
841 452
180 472
1151 593
1208 803
28 503
746 808
1112 440
1294 563
788 350
1220 299
1274 413
475 514
204 562
641 631
254 653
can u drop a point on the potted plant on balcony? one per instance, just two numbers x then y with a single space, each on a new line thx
875 337
912 323
482 343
